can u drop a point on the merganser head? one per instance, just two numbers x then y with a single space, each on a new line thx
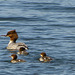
22 49
12 34
13 56
43 54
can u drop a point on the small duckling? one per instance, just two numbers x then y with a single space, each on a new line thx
15 60
44 58
22 51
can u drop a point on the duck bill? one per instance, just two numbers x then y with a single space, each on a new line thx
4 35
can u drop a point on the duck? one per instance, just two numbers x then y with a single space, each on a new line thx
44 57
15 60
22 51
12 43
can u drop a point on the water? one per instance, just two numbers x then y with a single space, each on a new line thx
45 26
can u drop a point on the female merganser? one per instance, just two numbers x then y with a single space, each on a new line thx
15 60
22 51
44 58
12 43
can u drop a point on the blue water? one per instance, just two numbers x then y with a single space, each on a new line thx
45 26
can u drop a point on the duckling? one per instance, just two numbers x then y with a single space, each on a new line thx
15 60
22 51
44 57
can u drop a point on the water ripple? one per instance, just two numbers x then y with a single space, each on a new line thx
45 26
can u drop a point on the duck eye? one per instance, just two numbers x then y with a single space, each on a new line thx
8 33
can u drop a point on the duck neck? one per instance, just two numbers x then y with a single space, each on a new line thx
12 41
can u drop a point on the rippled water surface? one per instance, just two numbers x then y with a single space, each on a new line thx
45 26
